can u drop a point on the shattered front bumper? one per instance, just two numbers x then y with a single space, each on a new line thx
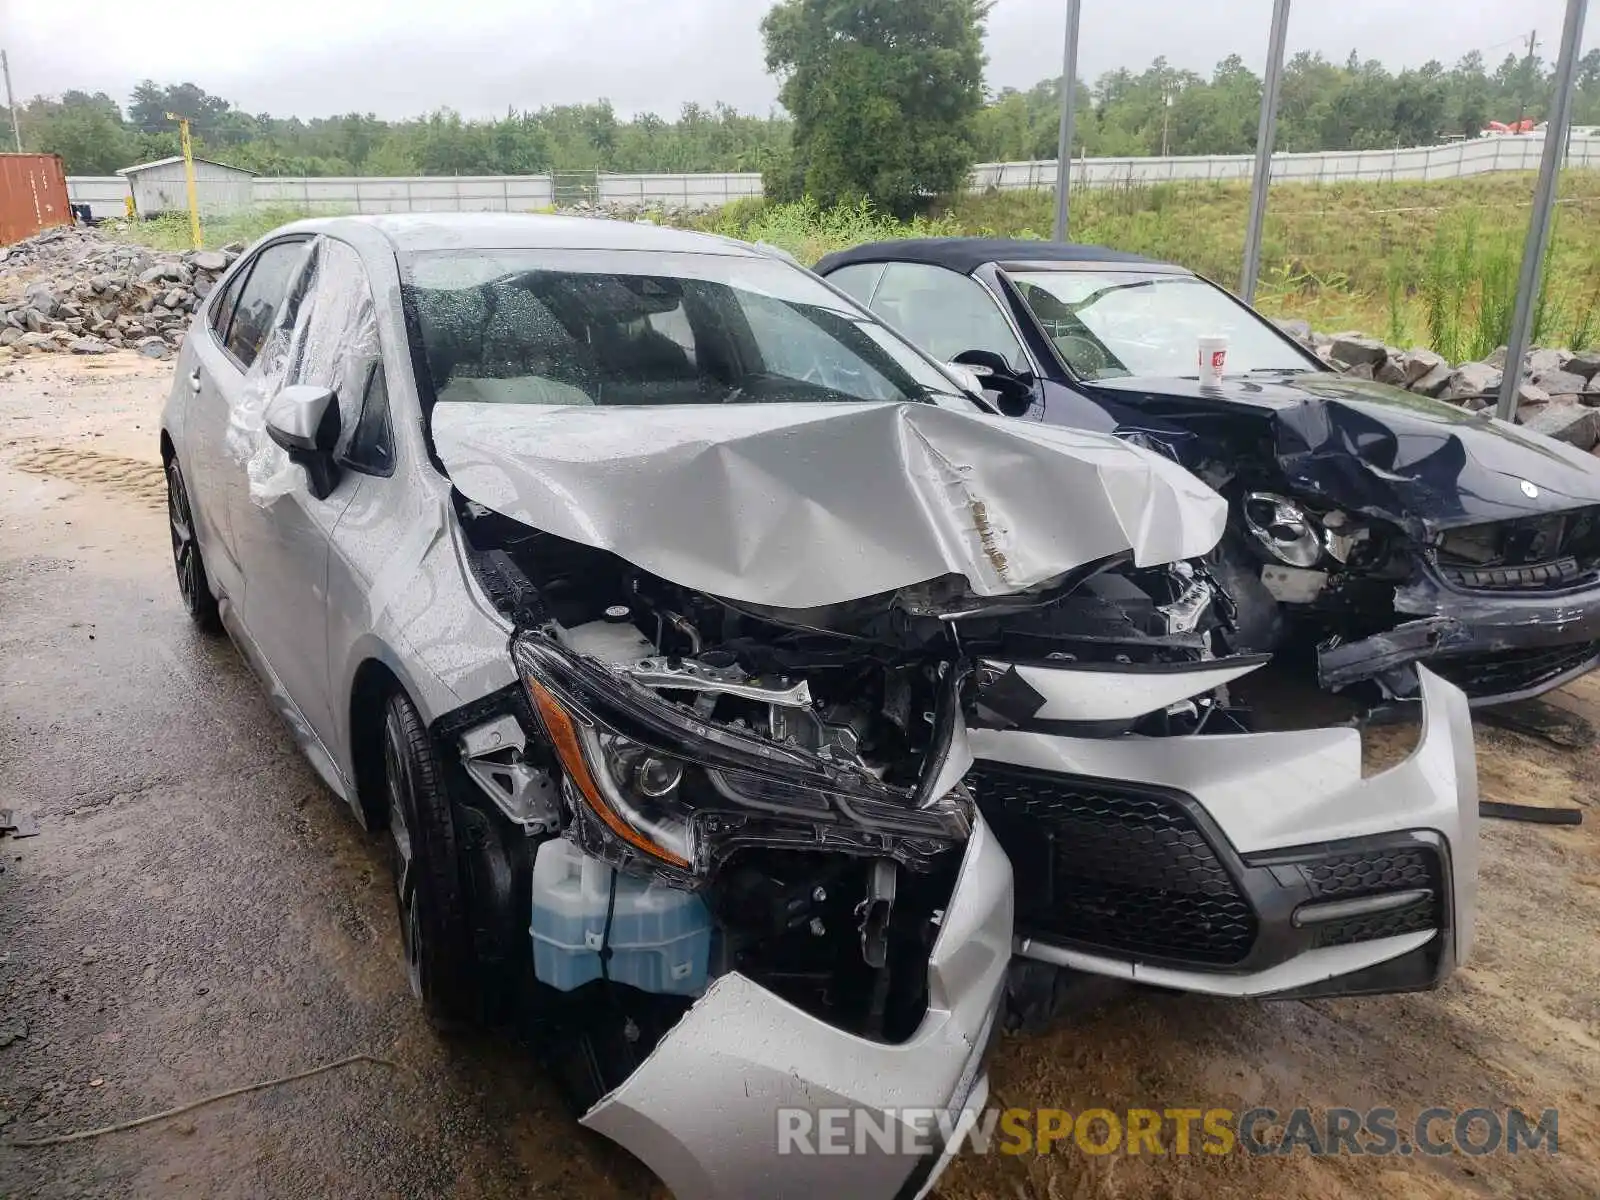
705 1110
1245 865
1495 647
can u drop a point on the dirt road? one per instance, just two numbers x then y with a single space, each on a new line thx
198 913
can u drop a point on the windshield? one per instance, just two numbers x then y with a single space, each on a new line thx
1114 324
616 327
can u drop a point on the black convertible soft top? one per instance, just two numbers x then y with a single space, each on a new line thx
967 254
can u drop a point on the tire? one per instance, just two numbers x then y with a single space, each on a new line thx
434 929
194 588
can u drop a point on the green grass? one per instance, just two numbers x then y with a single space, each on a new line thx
1429 263
170 231
1414 263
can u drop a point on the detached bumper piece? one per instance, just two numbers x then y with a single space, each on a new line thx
1145 873
1253 864
1496 646
705 1109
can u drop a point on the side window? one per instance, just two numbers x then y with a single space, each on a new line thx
945 313
222 306
371 447
858 281
793 346
259 299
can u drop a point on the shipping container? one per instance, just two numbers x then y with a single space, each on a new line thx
33 195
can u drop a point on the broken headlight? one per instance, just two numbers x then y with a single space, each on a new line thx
1286 530
656 775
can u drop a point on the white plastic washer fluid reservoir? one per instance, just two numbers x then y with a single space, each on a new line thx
660 937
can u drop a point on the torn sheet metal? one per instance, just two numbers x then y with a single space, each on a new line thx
1455 624
804 505
326 335
1420 463
1066 691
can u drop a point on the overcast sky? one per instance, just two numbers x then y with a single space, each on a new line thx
398 58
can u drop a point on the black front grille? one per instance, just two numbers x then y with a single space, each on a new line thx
1373 873
1506 672
1114 867
1531 554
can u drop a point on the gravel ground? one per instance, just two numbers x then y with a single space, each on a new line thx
198 913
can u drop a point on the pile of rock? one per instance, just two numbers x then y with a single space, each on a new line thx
655 212
75 290
1559 395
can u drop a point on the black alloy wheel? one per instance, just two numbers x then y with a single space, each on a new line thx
193 586
434 930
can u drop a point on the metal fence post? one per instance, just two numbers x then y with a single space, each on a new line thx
1069 100
1264 136
1544 202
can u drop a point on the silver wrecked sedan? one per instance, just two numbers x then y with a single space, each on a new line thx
708 659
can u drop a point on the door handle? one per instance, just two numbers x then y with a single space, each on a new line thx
194 380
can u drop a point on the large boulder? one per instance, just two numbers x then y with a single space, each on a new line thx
1418 364
1545 360
42 297
1586 364
1300 331
208 260
1560 383
1471 379
1435 381
1354 349
1567 421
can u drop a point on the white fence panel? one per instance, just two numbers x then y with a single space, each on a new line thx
106 195
685 191
413 193
525 193
1453 160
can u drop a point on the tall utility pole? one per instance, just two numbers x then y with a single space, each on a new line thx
1544 203
1522 87
11 103
1069 100
1264 135
188 178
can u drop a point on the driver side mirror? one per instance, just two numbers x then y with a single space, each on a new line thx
1014 392
304 420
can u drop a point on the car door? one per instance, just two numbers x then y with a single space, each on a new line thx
323 335
224 353
206 431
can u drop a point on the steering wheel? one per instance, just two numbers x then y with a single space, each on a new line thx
1082 354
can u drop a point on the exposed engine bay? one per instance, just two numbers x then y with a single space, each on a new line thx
1364 540
792 778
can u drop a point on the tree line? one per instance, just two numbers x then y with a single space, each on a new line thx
881 98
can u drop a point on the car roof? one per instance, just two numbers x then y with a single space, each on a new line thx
415 232
967 254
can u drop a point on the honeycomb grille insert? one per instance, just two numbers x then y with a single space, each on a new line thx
1124 870
1401 869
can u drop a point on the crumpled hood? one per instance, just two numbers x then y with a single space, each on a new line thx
1422 463
805 505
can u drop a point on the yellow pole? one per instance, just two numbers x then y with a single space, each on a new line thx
188 178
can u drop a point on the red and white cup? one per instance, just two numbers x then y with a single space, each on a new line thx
1213 360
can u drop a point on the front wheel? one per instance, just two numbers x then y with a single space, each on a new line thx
434 929
193 586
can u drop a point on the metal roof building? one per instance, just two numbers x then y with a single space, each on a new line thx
159 187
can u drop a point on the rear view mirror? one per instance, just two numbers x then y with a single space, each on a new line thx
304 420
1014 392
